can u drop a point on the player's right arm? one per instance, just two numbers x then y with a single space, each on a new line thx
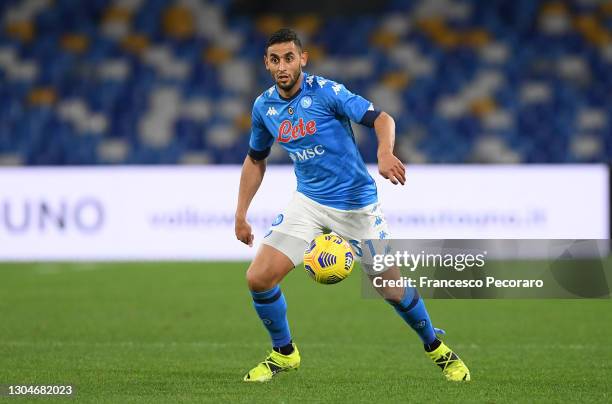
250 179
253 170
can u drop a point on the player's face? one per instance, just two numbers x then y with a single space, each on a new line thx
284 61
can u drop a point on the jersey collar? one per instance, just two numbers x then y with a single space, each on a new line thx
298 92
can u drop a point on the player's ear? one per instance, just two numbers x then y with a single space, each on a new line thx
266 62
304 58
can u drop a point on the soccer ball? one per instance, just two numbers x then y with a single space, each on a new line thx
329 259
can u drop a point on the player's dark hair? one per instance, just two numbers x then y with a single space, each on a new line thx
284 35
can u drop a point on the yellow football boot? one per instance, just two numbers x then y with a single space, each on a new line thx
273 364
452 366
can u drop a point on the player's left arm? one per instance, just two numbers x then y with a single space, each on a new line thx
389 166
360 110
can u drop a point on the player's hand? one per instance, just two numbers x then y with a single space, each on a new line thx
391 168
244 232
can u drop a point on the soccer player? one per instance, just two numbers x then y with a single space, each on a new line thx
309 116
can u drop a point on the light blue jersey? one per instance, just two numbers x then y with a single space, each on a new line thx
314 127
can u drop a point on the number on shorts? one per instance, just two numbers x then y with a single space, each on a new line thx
356 247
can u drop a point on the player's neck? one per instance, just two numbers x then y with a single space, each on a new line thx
293 90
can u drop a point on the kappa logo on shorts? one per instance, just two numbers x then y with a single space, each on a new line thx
278 220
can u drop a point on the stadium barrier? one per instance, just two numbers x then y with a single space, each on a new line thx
187 213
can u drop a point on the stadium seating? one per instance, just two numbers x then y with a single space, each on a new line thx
167 82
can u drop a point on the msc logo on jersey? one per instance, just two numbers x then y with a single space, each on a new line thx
307 154
287 132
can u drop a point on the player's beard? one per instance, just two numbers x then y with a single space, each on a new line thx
289 85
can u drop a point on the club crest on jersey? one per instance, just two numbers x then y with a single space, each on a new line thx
288 132
278 220
306 102
290 110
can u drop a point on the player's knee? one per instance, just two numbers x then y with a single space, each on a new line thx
392 295
258 280
393 298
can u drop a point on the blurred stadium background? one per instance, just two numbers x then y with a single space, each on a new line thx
172 82
110 83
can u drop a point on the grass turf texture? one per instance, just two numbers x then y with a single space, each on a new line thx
166 332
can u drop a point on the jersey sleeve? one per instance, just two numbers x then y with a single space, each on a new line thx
261 139
346 103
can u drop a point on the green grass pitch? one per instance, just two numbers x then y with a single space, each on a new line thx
186 332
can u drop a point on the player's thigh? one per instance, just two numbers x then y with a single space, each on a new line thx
295 228
268 268
283 246
380 283
365 226
367 223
